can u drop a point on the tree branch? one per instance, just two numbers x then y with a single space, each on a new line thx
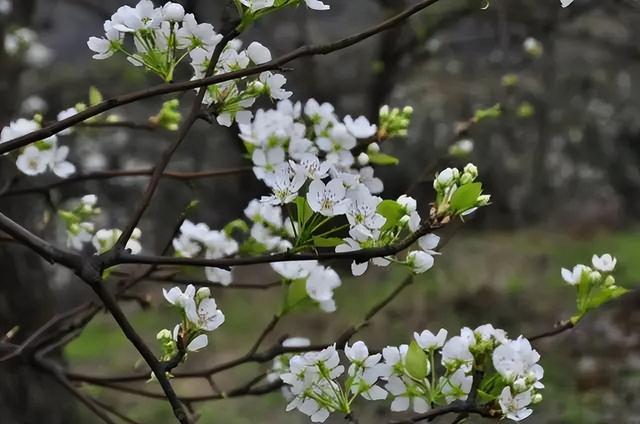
311 50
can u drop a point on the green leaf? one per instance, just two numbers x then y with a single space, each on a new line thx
95 96
392 211
296 294
490 113
465 197
417 363
382 159
236 224
327 241
603 295
303 210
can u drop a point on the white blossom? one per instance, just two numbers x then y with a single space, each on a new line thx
360 127
573 276
604 263
328 199
515 407
428 341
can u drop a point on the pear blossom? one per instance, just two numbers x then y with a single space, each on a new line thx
604 263
515 359
338 145
59 165
428 341
262 212
131 19
258 53
328 199
373 183
285 186
267 162
404 398
515 407
173 12
105 239
360 127
362 211
456 354
177 297
206 315
294 270
309 164
419 261
457 386
573 276
321 283
428 243
317 5
255 5
192 35
33 161
273 84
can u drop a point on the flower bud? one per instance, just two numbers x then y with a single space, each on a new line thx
520 385
595 276
407 110
472 170
173 12
363 159
537 398
466 178
203 293
384 111
483 200
445 178
373 148
89 200
609 281
164 334
136 233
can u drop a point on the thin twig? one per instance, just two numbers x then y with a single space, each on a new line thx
158 90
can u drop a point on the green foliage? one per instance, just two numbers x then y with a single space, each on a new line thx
417 363
392 211
465 198
382 159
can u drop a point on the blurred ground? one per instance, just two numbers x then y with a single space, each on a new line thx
510 279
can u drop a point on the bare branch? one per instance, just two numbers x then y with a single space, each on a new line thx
161 89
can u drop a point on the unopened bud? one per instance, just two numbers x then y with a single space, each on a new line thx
373 148
164 334
609 281
203 293
363 159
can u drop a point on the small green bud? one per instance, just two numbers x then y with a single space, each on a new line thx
609 281
203 293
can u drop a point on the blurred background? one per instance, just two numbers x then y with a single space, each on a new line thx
562 163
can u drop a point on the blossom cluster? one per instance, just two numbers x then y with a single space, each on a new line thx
312 380
318 281
458 192
200 314
81 230
164 37
24 44
594 285
195 239
41 156
507 370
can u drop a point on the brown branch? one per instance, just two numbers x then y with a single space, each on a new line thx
161 89
112 306
45 249
158 170
455 407
104 175
560 327
362 255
